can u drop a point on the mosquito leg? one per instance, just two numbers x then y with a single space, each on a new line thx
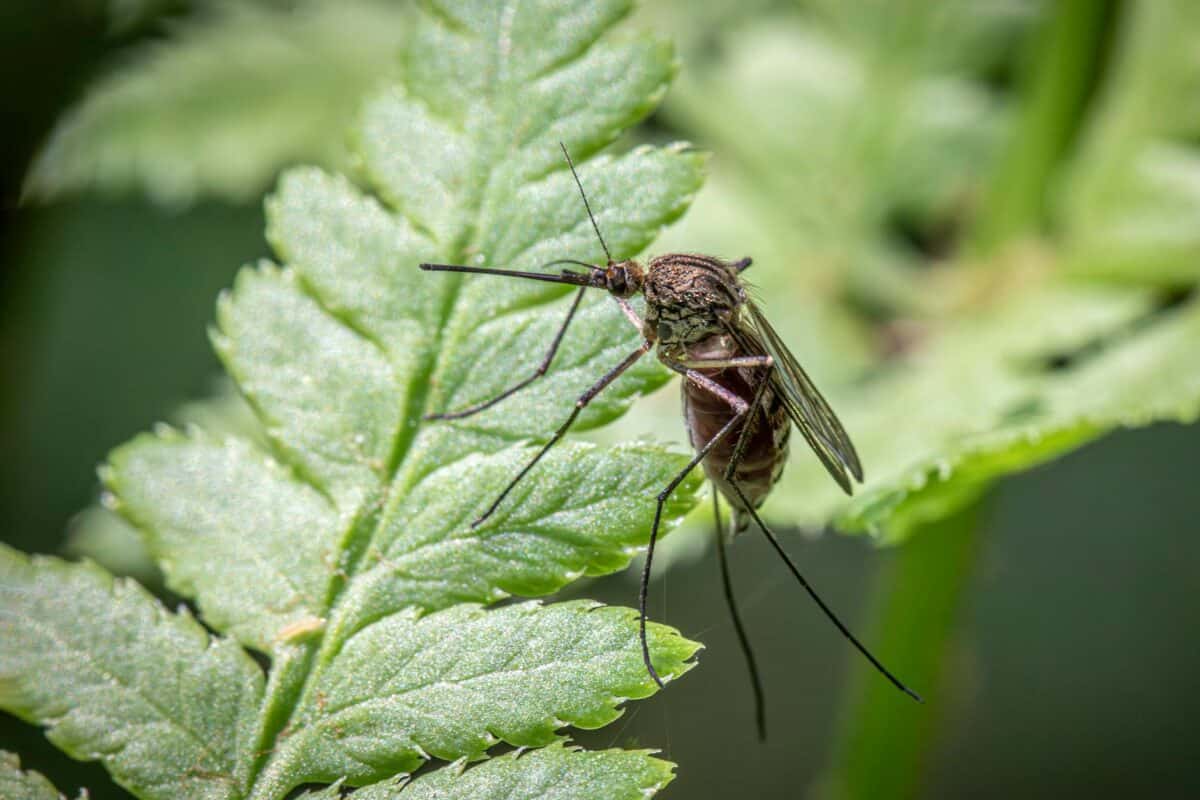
765 363
730 471
539 372
741 408
629 312
739 449
723 363
817 598
580 404
760 716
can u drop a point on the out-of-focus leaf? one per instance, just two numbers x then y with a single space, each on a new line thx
128 15
840 128
1131 201
222 413
108 539
235 94
1054 366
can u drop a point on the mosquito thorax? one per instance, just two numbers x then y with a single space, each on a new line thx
690 297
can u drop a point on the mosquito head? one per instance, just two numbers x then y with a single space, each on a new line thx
625 278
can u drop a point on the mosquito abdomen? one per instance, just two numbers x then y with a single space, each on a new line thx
766 450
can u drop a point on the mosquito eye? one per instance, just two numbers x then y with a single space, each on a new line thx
616 281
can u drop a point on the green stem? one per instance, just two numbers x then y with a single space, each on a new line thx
885 738
1061 73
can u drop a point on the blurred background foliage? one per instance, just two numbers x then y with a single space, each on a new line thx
976 221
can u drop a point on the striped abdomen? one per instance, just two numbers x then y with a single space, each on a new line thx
766 451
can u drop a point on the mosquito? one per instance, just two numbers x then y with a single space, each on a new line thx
743 390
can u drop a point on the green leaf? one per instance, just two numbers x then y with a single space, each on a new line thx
1132 194
208 503
336 539
1051 368
28 785
463 679
237 92
843 119
115 676
555 772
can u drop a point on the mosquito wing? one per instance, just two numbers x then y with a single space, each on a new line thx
805 405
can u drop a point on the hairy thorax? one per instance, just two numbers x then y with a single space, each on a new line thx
689 298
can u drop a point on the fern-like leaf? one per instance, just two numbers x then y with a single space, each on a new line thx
339 545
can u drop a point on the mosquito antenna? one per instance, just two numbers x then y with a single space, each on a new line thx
586 205
817 598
